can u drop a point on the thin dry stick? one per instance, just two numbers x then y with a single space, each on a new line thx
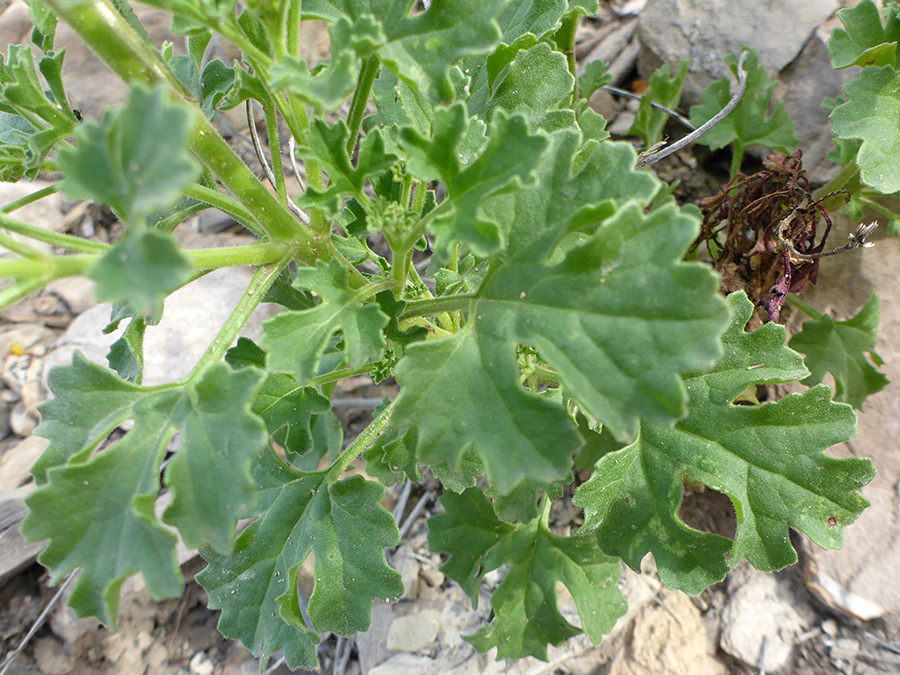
342 655
292 149
38 622
645 160
858 239
411 518
400 507
672 113
260 155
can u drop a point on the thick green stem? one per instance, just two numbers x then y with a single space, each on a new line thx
229 256
19 247
293 28
47 269
107 33
265 276
448 303
360 98
358 446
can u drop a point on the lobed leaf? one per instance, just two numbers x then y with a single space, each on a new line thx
420 49
871 115
622 302
345 528
295 340
869 36
750 123
840 348
141 269
665 91
526 615
135 160
98 509
506 163
768 459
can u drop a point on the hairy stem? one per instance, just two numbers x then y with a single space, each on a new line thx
360 97
448 303
265 276
358 446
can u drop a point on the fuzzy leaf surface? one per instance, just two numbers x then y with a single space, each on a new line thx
506 163
420 49
346 529
575 184
526 614
872 115
840 348
135 160
98 511
141 269
868 38
296 340
287 409
750 122
622 302
768 459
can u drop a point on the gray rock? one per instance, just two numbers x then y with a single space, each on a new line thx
53 657
867 564
413 632
704 31
762 619
408 567
407 664
192 317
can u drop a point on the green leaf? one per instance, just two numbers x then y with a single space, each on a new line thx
578 187
533 84
98 509
136 160
142 268
295 340
209 476
768 459
869 36
871 115
208 87
287 409
538 17
329 146
750 122
517 434
840 348
44 21
22 92
126 355
622 302
664 90
594 78
421 49
526 615
345 528
505 164
327 89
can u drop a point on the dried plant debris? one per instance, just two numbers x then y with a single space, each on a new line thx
755 227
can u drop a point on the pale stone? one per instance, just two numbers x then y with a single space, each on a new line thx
413 632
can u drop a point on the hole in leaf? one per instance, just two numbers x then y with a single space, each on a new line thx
708 510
